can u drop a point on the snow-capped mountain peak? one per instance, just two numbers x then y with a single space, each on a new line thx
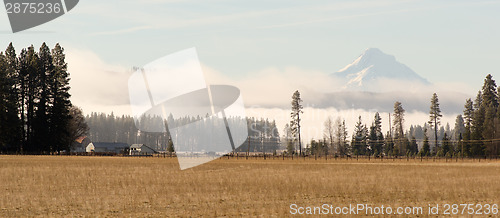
372 66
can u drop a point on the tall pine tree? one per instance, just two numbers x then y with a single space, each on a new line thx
29 93
398 122
468 121
341 136
435 118
477 146
13 126
59 114
295 115
41 124
358 143
489 104
426 150
376 136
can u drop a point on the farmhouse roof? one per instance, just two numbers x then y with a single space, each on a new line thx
109 145
141 145
136 145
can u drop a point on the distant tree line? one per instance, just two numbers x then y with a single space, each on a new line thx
36 114
263 136
262 133
476 132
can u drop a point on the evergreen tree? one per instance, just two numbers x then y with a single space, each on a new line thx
288 139
489 105
10 124
414 146
358 143
399 111
376 135
458 132
59 113
398 121
389 145
468 121
341 136
477 146
34 104
295 115
41 123
275 136
416 131
4 92
317 147
28 81
426 150
170 146
460 146
447 129
405 146
435 117
441 133
490 95
447 149
329 132
459 128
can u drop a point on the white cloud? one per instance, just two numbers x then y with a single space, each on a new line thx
101 87
95 85
273 87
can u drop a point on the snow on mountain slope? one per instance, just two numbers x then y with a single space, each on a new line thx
371 68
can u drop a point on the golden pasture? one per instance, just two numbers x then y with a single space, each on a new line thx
139 186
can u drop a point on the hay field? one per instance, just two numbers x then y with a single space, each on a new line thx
139 187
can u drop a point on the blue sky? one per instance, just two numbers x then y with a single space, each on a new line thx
440 40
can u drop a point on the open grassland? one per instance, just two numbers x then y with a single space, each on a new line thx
138 186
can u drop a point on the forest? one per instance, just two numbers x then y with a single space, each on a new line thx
476 132
36 114
263 134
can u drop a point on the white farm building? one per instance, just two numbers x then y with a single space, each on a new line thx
140 149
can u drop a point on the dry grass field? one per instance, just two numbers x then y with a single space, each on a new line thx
139 187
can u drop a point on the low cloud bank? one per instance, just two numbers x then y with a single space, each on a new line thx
101 87
273 88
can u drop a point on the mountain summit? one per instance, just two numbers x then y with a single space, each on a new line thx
365 73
